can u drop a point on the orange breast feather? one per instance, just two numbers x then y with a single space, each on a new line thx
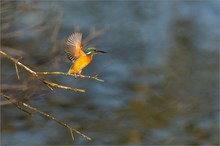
80 63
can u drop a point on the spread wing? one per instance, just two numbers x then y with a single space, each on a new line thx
74 46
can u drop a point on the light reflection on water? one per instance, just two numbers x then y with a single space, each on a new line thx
161 76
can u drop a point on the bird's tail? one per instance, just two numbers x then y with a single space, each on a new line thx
70 69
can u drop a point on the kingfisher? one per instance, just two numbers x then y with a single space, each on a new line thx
79 56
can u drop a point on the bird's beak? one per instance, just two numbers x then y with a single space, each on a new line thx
100 52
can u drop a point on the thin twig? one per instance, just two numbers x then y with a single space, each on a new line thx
71 133
35 74
62 73
53 118
60 86
16 68
48 116
50 87
18 63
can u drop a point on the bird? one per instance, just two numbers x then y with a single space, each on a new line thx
77 55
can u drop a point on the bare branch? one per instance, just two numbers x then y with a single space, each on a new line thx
35 74
60 86
66 74
46 115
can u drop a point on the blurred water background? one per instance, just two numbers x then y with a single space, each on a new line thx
161 72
